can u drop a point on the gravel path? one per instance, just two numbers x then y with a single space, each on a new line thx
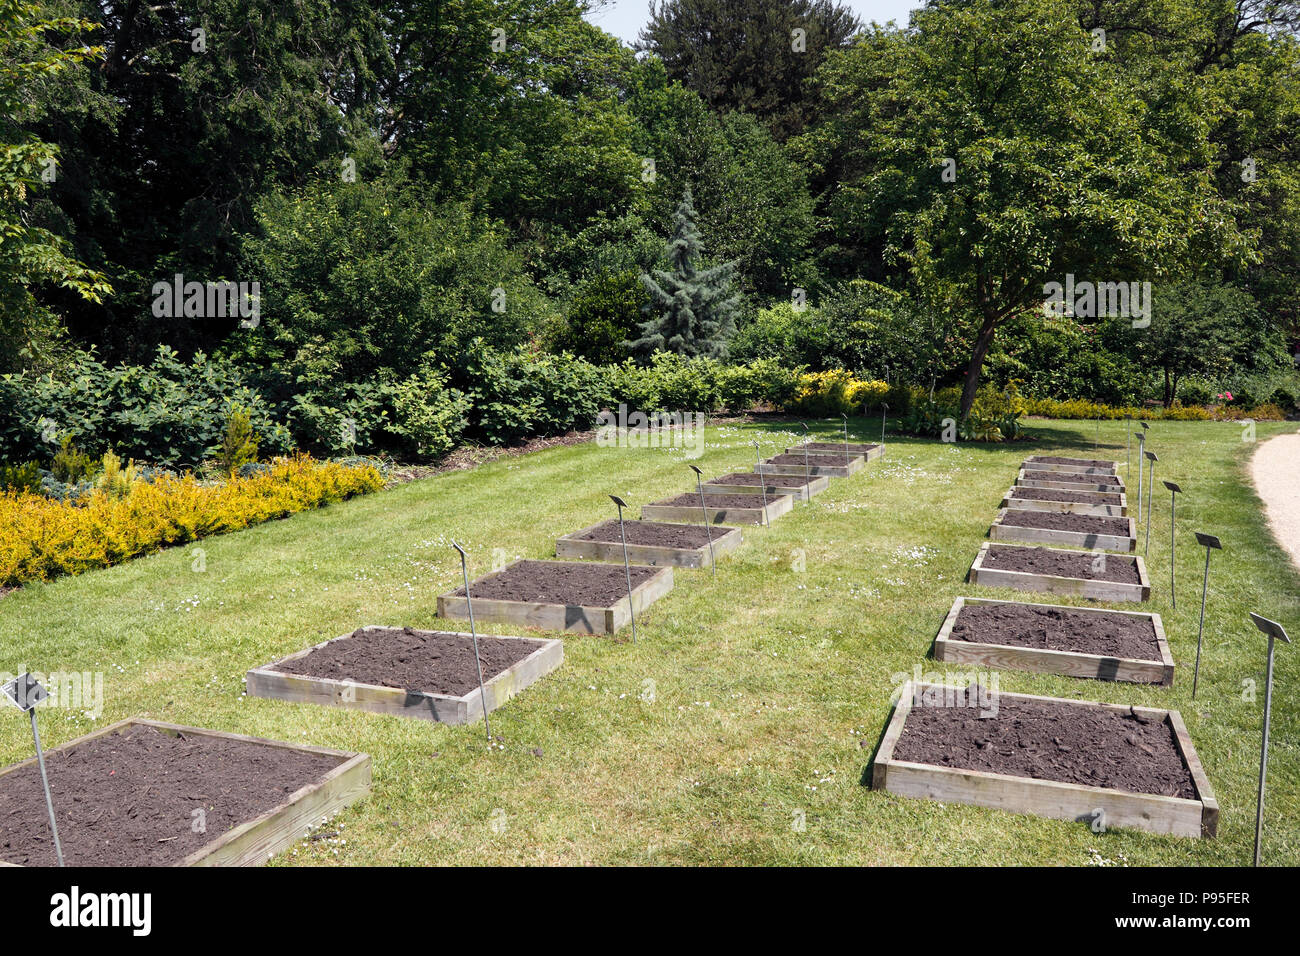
1275 470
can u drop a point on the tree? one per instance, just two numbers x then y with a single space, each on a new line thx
1203 328
750 55
693 310
31 255
989 150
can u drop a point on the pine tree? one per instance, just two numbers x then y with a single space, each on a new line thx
692 311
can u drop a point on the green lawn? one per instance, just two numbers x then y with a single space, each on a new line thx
752 699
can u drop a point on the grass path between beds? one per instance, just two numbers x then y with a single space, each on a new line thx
739 728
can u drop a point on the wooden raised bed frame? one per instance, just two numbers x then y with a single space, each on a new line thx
654 555
1076 539
1055 584
1048 661
855 465
1074 469
815 486
558 617
400 702
1174 816
777 505
1009 500
255 841
856 450
1068 485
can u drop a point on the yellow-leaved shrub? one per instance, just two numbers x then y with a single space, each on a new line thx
44 538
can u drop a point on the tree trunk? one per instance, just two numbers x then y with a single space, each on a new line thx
971 380
1169 390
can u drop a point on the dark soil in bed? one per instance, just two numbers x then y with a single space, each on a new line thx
127 798
752 478
1063 564
714 502
1065 521
560 582
833 446
427 661
1081 462
1110 481
1052 494
813 460
1090 746
658 533
1057 629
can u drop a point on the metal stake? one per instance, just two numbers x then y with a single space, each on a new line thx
846 438
469 606
1128 439
26 692
627 569
884 411
1210 543
699 485
1151 481
1174 489
1142 444
1274 631
762 483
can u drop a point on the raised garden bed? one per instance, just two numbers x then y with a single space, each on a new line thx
1062 481
650 542
1100 503
1113 764
748 483
831 466
431 675
560 595
731 508
1081 466
1064 528
1091 574
867 452
1052 639
130 794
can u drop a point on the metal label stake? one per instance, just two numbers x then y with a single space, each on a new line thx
627 567
1151 481
473 633
26 692
704 512
762 482
1174 491
846 438
1128 444
1275 632
1210 543
884 412
1142 444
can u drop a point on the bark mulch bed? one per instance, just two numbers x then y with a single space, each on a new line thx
127 798
1045 740
715 502
1052 494
1066 564
750 478
1062 521
1071 478
1024 625
430 662
560 582
658 533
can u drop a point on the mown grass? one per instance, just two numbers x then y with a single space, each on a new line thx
752 700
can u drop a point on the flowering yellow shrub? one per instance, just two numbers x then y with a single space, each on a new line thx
835 392
1078 408
43 538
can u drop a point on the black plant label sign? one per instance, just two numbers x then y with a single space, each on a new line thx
25 691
